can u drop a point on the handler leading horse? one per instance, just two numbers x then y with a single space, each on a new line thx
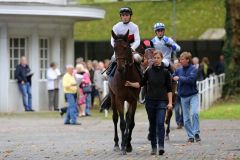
147 61
126 71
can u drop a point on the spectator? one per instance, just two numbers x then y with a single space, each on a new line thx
207 70
187 90
99 79
70 90
178 106
23 75
91 72
106 63
195 62
79 60
95 64
78 77
95 91
159 92
219 68
53 74
85 98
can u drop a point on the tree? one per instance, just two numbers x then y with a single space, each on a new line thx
231 48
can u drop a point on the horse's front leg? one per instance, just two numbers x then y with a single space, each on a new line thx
130 124
122 126
115 121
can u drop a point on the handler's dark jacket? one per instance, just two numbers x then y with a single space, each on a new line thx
22 73
158 81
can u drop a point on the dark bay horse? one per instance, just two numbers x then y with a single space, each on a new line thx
126 71
148 61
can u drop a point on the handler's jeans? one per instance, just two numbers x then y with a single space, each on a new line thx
191 122
71 117
156 111
26 95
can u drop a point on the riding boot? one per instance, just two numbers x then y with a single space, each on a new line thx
111 69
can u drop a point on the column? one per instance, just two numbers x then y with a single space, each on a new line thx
70 50
34 60
4 69
55 55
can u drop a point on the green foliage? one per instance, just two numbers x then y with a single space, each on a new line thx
232 49
192 18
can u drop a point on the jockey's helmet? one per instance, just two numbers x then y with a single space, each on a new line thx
158 26
125 10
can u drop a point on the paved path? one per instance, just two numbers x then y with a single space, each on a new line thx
28 137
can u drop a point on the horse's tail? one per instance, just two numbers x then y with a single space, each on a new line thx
106 102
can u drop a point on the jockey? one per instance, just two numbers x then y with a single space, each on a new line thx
164 44
120 29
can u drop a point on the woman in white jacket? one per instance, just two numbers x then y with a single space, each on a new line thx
53 75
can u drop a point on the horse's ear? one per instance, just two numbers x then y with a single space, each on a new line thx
126 35
114 35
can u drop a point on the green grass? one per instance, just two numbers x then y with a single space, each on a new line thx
193 18
223 110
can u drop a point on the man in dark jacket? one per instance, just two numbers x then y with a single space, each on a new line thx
188 92
23 75
219 68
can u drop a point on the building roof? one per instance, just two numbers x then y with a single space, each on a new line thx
213 34
49 10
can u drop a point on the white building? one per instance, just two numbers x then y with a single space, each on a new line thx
42 31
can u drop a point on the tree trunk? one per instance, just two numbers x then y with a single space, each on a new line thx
231 48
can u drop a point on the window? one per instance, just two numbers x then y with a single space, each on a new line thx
44 53
17 48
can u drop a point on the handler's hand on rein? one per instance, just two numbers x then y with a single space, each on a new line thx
127 83
170 106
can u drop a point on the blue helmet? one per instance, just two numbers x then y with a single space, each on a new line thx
158 25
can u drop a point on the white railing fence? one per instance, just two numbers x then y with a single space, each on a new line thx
209 89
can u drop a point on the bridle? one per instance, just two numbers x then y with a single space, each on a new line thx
125 58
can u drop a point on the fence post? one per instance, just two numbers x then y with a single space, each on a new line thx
210 90
105 92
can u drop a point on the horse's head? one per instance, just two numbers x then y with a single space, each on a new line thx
122 51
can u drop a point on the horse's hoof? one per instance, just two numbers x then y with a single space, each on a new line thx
129 148
116 149
167 138
124 152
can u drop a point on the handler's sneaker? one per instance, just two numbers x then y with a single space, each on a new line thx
190 140
161 151
154 151
197 138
